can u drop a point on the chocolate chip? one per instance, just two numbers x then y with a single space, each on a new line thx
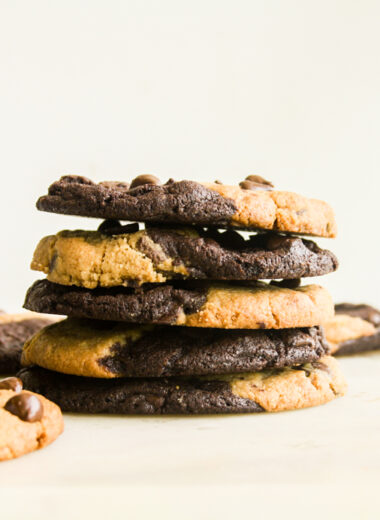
26 407
259 180
275 241
218 181
144 179
170 181
11 383
255 182
108 224
113 227
288 284
231 239
115 185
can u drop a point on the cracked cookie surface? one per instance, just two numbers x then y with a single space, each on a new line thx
274 390
258 306
19 436
94 259
112 349
188 202
15 329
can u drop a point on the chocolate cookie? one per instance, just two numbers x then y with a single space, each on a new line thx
107 349
266 391
251 205
95 259
15 329
259 306
353 329
28 421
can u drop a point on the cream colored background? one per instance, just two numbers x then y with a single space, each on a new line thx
196 90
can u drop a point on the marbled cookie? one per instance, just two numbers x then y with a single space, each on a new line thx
117 257
274 390
108 349
251 205
258 306
28 421
353 329
15 329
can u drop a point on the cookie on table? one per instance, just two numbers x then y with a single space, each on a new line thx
15 329
274 390
107 349
251 205
353 329
28 421
257 306
116 255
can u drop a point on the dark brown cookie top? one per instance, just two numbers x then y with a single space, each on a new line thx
251 205
184 202
112 349
362 310
15 329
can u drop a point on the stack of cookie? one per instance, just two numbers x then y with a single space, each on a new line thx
172 317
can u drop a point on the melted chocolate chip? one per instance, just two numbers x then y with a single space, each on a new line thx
274 241
11 383
113 227
255 182
26 407
259 180
144 179
288 284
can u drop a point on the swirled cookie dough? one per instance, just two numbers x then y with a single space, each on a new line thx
260 306
112 349
96 259
266 391
188 202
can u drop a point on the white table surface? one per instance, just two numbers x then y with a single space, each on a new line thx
320 462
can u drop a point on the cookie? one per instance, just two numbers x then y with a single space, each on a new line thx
266 391
28 421
259 306
362 310
15 329
251 205
108 349
353 329
94 259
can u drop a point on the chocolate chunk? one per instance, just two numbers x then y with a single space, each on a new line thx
274 241
144 179
255 182
113 227
11 383
288 284
25 406
259 180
